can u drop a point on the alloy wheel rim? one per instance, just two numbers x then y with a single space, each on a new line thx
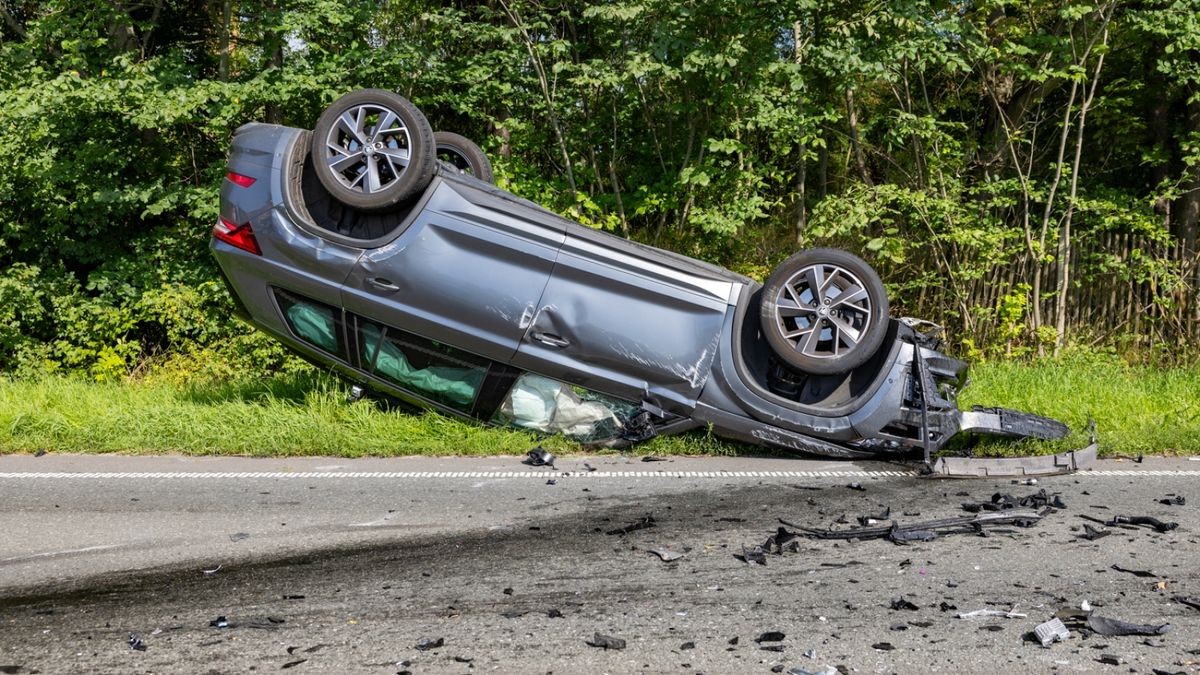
823 311
368 148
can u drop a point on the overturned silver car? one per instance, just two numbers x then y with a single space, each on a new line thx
417 278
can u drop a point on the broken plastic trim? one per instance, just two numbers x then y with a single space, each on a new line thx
1041 465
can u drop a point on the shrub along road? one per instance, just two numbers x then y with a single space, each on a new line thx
346 565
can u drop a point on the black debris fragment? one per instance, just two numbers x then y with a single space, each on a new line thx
643 523
733 640
687 645
1177 500
946 607
1194 603
1092 534
1003 502
782 540
135 643
770 636
922 530
772 648
554 614
1113 627
552 481
898 626
1145 574
1109 660
753 556
539 456
877 518
425 644
463 659
507 591
652 458
1148 521
857 486
588 467
219 622
238 536
901 603
292 664
606 642
293 597
883 646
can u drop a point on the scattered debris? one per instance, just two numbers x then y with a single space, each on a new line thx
770 636
857 486
772 648
238 536
1109 660
1194 603
900 603
946 607
827 670
756 555
1003 502
40 452
1010 614
666 555
1092 534
539 456
588 467
645 522
1177 500
1148 521
923 530
652 458
463 659
425 644
552 481
883 646
209 573
135 643
507 591
733 640
219 622
554 614
1051 631
1145 574
1113 627
877 518
687 645
292 664
606 642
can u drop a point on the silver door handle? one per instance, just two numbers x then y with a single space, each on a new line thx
549 339
380 282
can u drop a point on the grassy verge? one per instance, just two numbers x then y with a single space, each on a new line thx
1137 409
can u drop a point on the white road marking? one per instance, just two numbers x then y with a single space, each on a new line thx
53 554
455 475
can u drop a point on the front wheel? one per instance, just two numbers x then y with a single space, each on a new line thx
824 311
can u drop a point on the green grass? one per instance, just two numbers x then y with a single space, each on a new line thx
1137 409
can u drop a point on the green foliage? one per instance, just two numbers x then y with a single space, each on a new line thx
923 135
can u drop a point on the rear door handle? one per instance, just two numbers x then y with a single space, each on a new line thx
380 282
550 339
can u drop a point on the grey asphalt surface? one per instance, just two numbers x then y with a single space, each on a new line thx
326 568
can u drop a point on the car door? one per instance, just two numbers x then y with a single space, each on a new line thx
627 320
467 270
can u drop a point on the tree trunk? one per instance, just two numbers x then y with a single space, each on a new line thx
859 157
226 30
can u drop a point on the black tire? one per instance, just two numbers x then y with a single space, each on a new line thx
373 150
464 154
806 325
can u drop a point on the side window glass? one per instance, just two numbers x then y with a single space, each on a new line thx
542 404
430 369
313 322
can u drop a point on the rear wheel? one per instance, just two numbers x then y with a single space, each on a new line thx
824 311
464 154
373 150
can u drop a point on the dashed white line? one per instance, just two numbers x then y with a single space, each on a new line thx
455 475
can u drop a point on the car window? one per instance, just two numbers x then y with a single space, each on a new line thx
313 322
429 369
542 404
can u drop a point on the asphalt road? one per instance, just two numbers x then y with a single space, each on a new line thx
341 566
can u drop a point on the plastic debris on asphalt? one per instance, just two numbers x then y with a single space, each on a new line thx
666 555
606 642
645 522
135 643
425 644
1051 631
539 456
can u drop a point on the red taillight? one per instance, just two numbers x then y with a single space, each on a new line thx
239 179
238 236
